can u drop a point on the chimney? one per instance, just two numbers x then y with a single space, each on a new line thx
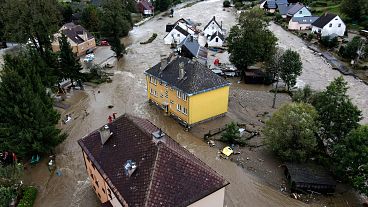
105 134
129 167
158 136
163 62
181 71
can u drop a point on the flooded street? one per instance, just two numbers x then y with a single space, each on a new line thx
127 93
318 74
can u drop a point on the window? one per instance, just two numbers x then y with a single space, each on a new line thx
216 39
151 91
330 25
93 178
160 82
97 183
178 35
104 190
178 94
300 12
153 80
155 93
339 25
94 187
178 107
99 195
161 96
185 111
172 102
184 97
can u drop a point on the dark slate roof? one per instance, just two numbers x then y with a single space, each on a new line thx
217 34
309 173
294 9
167 174
181 30
281 2
191 44
283 8
198 78
212 20
304 20
270 4
323 20
74 32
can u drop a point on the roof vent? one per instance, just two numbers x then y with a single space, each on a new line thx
105 134
129 167
181 71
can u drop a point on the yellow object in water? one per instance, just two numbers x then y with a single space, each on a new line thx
227 151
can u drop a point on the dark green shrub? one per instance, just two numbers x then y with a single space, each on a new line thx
238 5
29 197
310 36
329 42
226 3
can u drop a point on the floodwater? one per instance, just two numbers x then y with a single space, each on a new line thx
318 74
127 93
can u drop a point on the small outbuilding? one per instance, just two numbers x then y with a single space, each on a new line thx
309 178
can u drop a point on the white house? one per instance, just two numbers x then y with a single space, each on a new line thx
179 32
329 24
298 10
301 23
212 27
216 40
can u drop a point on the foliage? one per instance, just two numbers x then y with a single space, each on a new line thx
290 133
337 114
278 18
115 24
310 36
31 20
238 5
226 3
90 18
250 41
290 67
28 118
29 197
162 5
351 158
232 134
304 95
352 48
66 11
354 9
11 174
70 66
329 42
6 195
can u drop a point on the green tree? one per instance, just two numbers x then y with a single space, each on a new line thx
7 193
31 20
231 134
66 11
354 9
162 5
28 120
290 133
304 95
69 65
351 158
90 18
114 25
337 114
250 41
290 67
352 49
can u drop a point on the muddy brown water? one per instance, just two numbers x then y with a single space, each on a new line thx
127 93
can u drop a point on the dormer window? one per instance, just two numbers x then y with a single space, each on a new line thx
330 25
339 25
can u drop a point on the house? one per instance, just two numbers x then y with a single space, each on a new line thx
216 40
283 9
309 177
301 23
79 39
145 7
298 10
131 162
212 27
329 24
178 33
190 48
187 90
270 6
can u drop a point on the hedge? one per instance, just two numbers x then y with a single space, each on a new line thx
29 197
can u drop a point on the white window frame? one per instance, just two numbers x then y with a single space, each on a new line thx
184 96
185 111
178 107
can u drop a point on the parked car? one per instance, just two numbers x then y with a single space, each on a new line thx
89 58
104 43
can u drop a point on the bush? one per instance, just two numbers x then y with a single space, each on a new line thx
238 5
310 36
226 3
6 195
278 17
232 134
329 42
29 197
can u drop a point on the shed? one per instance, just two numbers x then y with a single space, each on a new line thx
309 177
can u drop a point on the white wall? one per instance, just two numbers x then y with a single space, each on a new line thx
175 35
303 12
212 28
216 199
327 30
297 26
213 42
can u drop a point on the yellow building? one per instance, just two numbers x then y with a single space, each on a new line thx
187 90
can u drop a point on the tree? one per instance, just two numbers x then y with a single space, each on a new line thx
232 134
66 11
27 124
290 133
162 5
351 158
90 18
353 49
250 41
273 67
29 20
70 66
337 114
290 67
114 25
354 9
304 95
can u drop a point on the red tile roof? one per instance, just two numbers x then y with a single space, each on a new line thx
166 175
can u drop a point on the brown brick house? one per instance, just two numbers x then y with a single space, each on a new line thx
131 162
79 39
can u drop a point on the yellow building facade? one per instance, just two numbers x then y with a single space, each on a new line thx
189 108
